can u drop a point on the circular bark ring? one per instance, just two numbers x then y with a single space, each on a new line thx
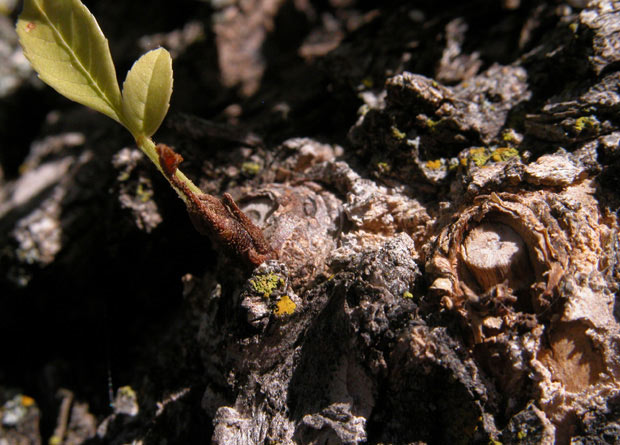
502 241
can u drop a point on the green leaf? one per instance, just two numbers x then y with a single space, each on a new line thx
146 92
66 47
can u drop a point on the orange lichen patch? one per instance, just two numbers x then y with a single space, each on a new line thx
434 164
30 26
571 357
27 401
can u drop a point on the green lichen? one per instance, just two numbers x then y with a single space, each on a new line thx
363 110
250 168
265 284
398 134
510 136
453 164
431 124
521 435
479 156
587 123
143 193
383 167
127 391
503 154
285 306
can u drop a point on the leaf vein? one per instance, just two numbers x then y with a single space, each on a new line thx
77 63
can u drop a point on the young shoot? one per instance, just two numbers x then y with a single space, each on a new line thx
68 50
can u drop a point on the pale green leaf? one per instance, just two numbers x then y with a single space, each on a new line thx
66 47
146 92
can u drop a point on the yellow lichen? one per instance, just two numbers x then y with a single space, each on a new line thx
586 123
250 168
266 284
480 156
398 134
407 294
285 306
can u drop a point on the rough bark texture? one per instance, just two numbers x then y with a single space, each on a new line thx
440 181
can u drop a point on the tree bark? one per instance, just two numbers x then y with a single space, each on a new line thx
439 182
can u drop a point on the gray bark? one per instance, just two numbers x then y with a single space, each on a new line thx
440 183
